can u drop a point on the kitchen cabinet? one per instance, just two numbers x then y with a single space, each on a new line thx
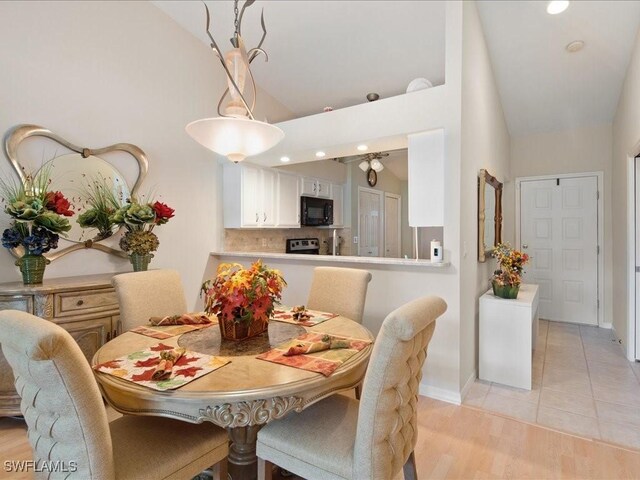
288 201
87 307
337 195
426 179
315 187
255 197
249 196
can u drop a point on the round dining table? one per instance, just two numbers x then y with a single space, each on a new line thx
241 396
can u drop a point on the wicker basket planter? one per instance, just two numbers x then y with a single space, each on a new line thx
239 330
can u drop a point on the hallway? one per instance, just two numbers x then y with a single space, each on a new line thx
582 384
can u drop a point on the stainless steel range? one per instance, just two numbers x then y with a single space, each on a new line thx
306 246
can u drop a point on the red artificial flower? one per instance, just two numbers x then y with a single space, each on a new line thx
163 212
56 202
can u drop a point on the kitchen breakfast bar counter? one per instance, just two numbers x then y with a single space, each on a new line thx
411 262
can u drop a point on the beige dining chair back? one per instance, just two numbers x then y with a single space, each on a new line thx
339 290
340 438
142 295
67 421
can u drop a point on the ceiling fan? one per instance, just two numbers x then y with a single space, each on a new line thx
372 165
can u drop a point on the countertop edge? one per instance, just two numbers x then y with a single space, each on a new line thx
338 259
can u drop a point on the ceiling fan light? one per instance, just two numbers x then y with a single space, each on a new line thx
380 169
376 165
364 166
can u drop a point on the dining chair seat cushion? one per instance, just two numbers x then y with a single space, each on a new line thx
162 448
317 441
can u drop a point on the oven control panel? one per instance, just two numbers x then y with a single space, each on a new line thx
303 245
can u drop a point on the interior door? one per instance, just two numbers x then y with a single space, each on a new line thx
392 225
559 230
369 222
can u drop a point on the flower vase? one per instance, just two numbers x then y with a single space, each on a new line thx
32 268
237 329
505 291
140 261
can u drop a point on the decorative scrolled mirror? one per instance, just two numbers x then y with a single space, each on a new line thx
489 214
75 172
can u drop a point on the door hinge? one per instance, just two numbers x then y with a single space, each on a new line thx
598 303
598 195
598 249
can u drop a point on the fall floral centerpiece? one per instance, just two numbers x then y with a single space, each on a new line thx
507 278
243 298
140 219
38 220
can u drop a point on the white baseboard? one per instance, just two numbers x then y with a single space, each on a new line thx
627 351
446 395
438 393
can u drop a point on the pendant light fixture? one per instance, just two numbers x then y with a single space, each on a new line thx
236 134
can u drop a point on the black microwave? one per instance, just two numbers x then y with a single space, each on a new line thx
316 211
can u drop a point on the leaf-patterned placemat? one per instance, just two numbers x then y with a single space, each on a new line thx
138 367
325 362
285 314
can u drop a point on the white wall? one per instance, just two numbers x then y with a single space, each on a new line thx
626 144
99 73
485 144
582 150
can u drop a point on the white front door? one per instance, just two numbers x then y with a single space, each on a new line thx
369 222
392 225
559 230
637 265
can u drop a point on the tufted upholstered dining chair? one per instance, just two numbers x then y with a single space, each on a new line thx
339 290
340 438
67 421
143 295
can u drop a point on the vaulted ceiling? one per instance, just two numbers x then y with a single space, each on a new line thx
332 53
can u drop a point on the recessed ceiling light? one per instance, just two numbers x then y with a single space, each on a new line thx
362 148
557 6
285 159
320 154
575 46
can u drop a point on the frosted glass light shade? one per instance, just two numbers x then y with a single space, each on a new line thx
235 138
376 165
364 165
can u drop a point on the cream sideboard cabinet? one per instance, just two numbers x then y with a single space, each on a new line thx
87 307
508 333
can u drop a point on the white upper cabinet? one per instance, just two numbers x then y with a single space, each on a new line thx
426 179
337 194
314 187
255 197
288 201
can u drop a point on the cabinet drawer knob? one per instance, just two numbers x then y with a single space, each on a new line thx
80 303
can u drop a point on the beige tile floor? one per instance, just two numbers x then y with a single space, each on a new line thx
582 384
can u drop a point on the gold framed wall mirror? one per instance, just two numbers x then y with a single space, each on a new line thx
489 214
73 168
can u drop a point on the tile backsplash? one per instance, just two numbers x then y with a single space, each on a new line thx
274 239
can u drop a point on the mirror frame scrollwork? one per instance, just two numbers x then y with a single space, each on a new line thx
484 179
20 133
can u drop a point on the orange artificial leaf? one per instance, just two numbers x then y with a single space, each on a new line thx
188 372
147 375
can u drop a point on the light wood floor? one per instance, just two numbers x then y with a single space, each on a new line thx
460 442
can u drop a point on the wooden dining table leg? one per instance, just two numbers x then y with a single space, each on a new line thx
243 462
